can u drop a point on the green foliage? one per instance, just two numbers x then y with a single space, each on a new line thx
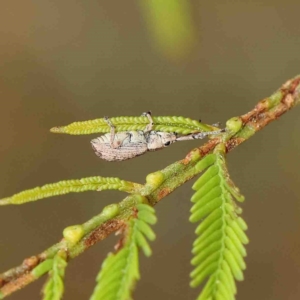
170 25
42 268
180 125
54 287
120 271
218 250
96 183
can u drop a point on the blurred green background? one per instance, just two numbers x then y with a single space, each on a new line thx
65 61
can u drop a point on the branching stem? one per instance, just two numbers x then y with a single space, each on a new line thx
159 185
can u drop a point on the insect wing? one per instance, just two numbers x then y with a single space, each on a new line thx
130 144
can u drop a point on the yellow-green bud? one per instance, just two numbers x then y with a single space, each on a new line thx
111 211
220 148
73 234
234 124
155 179
194 155
139 199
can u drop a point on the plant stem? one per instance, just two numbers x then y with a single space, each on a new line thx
173 176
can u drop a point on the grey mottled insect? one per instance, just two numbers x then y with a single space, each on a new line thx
128 144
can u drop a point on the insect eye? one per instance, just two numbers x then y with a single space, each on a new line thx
167 143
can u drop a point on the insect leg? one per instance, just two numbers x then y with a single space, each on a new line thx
199 135
113 143
150 125
218 124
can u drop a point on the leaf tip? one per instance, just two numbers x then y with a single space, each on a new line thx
192 219
57 129
4 201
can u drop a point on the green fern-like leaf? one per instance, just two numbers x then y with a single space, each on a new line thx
120 271
219 248
180 125
54 287
96 183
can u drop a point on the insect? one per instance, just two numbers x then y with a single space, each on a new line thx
128 144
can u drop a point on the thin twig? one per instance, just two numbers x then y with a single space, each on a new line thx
170 178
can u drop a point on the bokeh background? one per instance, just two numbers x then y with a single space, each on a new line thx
65 61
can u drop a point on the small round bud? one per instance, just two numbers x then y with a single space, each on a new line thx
73 234
155 179
234 124
111 211
220 148
139 199
194 155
